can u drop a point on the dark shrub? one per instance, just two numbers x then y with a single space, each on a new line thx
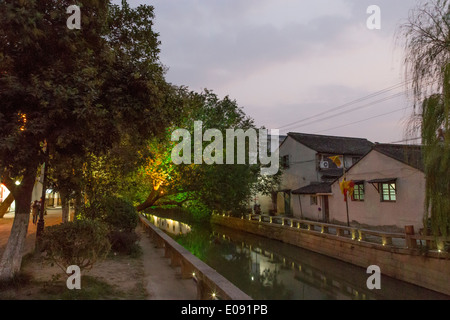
124 242
122 218
119 214
116 212
81 243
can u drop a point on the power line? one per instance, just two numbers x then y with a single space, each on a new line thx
353 109
366 119
348 103
406 140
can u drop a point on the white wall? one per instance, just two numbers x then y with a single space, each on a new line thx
301 171
408 208
308 211
302 166
36 195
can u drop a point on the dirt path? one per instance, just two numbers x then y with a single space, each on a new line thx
149 276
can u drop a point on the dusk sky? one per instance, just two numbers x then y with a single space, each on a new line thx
287 61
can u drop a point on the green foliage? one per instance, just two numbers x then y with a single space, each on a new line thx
436 137
119 214
83 92
198 210
81 243
426 37
213 187
121 217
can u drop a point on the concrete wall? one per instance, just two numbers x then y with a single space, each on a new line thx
404 264
408 208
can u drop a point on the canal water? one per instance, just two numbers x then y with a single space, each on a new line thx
267 269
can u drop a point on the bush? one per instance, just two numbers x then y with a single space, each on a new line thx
124 242
120 214
116 212
122 218
81 243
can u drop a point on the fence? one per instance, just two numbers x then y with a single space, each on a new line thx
210 284
395 240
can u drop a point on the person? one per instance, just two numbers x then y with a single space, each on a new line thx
35 211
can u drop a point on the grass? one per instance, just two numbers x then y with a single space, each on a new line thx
91 289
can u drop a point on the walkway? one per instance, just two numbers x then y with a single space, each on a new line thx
53 217
161 281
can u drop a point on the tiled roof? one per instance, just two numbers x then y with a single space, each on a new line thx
333 144
408 154
314 188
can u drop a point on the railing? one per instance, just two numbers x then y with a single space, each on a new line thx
383 239
210 284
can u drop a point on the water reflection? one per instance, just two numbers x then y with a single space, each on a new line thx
171 226
269 269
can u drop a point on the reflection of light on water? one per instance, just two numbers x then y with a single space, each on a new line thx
263 263
169 225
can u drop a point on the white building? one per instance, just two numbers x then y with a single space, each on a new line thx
308 171
389 189
52 198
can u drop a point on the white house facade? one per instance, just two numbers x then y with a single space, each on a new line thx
310 163
389 189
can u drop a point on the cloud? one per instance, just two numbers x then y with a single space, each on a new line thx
283 59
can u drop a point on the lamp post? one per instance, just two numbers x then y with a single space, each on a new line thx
41 222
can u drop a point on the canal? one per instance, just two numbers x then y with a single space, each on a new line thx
267 269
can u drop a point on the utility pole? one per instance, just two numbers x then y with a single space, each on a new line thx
346 198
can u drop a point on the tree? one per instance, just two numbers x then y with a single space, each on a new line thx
218 187
76 91
427 46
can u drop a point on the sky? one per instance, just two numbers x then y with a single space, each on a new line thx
310 66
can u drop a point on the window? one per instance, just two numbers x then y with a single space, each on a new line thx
358 192
285 162
388 191
313 200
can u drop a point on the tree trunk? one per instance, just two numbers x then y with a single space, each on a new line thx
77 205
151 199
65 207
12 257
6 204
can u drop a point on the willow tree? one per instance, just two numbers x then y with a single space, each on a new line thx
427 45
